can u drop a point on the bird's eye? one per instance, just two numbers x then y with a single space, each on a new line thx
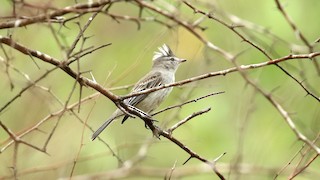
171 59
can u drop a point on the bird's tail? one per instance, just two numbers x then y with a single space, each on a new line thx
114 116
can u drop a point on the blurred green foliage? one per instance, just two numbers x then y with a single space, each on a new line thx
242 122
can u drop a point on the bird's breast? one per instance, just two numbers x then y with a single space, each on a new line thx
153 100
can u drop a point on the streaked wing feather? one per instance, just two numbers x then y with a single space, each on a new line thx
149 81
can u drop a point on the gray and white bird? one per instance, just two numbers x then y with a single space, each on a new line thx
164 66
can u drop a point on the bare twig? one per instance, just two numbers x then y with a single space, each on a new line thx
233 29
227 71
168 177
187 26
185 103
81 32
26 88
78 8
292 24
297 32
163 16
17 140
170 130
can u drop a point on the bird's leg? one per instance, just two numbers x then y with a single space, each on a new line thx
144 114
152 121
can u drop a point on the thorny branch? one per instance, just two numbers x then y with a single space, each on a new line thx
87 82
118 100
269 97
56 15
233 28
227 71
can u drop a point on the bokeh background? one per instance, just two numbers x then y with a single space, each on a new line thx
257 141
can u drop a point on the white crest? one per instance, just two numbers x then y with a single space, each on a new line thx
164 51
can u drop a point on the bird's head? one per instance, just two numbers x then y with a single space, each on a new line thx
164 58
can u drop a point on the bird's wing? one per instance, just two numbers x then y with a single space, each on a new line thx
151 80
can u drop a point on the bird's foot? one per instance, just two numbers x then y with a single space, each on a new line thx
152 121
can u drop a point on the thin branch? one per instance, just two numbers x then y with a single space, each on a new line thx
136 20
85 81
17 140
78 8
6 62
233 29
292 24
303 154
185 25
26 88
297 32
81 32
169 175
187 102
227 71
312 159
185 120
189 151
283 113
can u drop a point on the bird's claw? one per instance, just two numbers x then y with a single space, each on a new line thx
152 121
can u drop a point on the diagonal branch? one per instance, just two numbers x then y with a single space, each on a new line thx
78 8
170 130
297 32
227 71
187 26
17 140
158 132
233 29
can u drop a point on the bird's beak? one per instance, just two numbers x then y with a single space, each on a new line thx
182 60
